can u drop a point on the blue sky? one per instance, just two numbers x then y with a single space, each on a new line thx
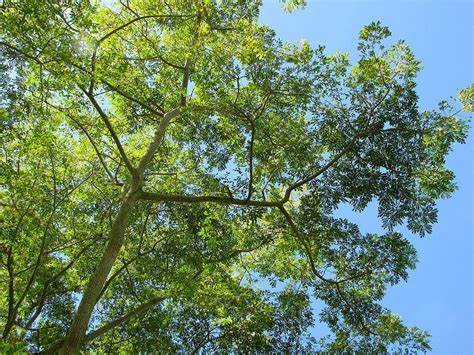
439 294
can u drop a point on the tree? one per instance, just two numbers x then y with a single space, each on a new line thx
170 172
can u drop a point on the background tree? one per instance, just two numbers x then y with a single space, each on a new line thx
170 172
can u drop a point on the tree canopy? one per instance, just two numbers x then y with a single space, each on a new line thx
170 172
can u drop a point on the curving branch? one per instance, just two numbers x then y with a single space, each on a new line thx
336 283
117 29
114 31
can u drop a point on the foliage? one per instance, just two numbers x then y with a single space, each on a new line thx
175 167
466 97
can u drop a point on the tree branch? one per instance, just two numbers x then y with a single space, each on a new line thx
225 200
133 99
137 311
99 155
21 52
335 283
115 30
252 138
47 283
111 130
159 135
11 294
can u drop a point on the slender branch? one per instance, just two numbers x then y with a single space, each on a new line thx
252 139
91 73
47 283
96 149
333 161
11 294
335 283
13 314
354 310
126 264
123 319
167 62
32 278
238 252
225 200
23 53
133 99
111 130
135 312
306 247
160 130
156 56
184 84
115 30
329 164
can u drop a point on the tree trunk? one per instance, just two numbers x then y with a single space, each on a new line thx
77 332
75 337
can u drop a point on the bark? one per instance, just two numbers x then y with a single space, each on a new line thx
77 331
